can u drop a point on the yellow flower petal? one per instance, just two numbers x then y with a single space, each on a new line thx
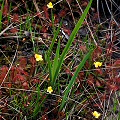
38 57
50 90
98 64
96 114
50 5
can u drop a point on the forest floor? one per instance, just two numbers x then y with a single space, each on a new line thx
45 77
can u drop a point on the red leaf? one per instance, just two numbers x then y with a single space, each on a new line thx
44 29
24 73
90 80
33 61
97 53
83 48
44 117
45 9
67 31
25 85
19 77
98 105
12 72
116 63
113 87
56 19
99 71
84 4
45 35
107 36
62 13
3 72
81 76
9 85
6 22
69 1
13 30
98 84
15 8
4 69
15 18
61 115
115 38
23 62
35 80
96 16
87 64
0 92
68 71
117 80
104 97
5 9
38 14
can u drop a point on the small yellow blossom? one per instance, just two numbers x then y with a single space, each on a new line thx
96 114
98 64
50 90
50 5
38 57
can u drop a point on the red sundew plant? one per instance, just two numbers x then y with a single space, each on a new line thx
18 75
45 9
15 18
5 9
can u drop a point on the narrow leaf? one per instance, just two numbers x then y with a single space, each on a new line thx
71 83
71 39
56 60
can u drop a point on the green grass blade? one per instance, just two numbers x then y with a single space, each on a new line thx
1 15
54 38
53 27
49 52
71 39
49 67
55 63
71 83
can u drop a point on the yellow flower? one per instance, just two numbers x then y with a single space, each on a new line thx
96 114
98 64
38 57
50 5
50 90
